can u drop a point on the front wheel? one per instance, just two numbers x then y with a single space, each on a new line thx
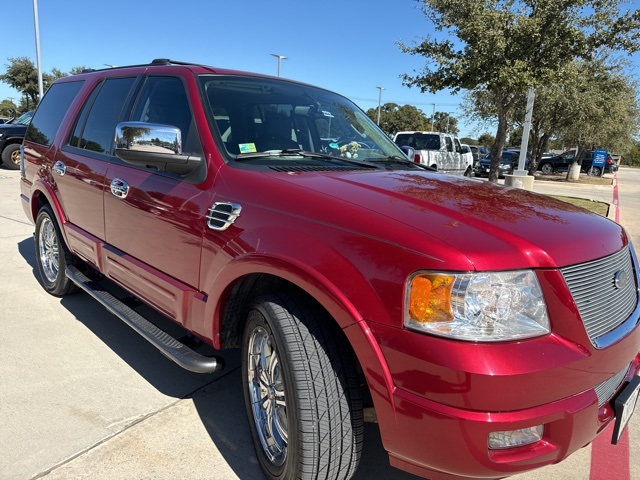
301 392
11 156
546 168
52 255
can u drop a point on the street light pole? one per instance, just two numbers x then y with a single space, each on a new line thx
37 29
433 114
379 102
280 58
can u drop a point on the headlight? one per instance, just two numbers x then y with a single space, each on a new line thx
481 307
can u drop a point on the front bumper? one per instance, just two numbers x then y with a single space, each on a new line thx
448 397
455 440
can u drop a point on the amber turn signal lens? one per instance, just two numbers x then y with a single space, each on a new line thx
430 298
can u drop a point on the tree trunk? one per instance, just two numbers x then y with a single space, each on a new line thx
574 172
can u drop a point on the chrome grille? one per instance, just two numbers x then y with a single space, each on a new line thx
603 302
222 215
606 389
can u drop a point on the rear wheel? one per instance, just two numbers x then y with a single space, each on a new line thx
547 168
594 172
301 392
11 156
52 255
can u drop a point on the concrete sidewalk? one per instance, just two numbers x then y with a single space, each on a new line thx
83 397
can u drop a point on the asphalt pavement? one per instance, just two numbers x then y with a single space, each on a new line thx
84 397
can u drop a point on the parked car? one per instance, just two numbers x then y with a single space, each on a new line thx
445 307
562 162
508 164
441 151
478 152
467 156
11 135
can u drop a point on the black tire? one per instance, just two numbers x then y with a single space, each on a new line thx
547 168
469 172
11 156
304 408
594 171
52 255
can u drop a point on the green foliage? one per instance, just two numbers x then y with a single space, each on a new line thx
22 74
395 118
444 122
632 158
486 139
500 48
8 108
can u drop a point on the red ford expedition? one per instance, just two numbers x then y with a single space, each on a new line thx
491 330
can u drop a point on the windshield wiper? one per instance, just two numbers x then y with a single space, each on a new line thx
296 152
391 159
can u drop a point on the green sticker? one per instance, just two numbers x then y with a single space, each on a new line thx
247 148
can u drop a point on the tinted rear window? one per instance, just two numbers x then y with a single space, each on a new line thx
51 111
102 111
419 141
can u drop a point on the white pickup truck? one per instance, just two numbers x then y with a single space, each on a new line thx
438 150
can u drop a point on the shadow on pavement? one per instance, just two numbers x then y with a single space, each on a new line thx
218 397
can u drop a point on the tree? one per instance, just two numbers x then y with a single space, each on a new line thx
395 118
444 122
486 139
8 108
22 75
503 47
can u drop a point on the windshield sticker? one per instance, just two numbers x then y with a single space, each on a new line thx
247 148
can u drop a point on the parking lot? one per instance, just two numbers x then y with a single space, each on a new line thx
81 396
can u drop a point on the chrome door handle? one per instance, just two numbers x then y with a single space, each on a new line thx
59 168
119 188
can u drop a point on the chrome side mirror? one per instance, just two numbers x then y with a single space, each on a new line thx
148 137
152 145
410 152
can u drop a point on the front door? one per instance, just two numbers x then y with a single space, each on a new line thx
155 231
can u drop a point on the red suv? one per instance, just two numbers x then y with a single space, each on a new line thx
352 279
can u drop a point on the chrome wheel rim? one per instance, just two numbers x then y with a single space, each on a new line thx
48 248
266 390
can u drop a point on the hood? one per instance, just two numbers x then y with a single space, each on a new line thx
478 224
11 128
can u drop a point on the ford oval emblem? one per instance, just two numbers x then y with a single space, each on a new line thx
621 279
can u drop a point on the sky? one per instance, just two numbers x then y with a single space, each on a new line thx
349 46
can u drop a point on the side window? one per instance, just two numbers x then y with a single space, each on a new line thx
51 112
102 111
449 144
164 100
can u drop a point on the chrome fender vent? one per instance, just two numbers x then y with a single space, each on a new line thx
222 214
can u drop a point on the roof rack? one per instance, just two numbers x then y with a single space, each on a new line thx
166 61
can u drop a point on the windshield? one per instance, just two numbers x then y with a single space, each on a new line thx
257 115
24 119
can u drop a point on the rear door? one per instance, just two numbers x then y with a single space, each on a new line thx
82 162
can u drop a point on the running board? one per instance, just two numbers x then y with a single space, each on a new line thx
168 346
